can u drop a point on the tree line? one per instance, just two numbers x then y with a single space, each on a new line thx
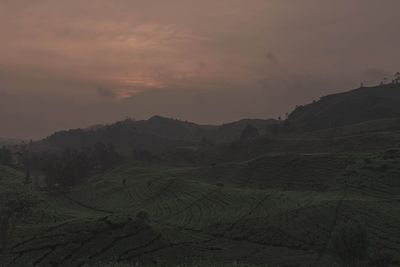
68 167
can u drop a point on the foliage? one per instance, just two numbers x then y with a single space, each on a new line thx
5 156
350 243
14 206
72 166
380 259
249 133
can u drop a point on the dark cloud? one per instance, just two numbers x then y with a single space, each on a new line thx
272 58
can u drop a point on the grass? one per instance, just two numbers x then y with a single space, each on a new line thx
275 209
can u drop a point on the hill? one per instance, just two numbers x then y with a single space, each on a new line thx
155 134
275 209
275 200
363 104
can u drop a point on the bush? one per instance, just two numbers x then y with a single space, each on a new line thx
380 259
350 244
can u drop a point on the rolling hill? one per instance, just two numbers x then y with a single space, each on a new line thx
360 105
275 209
276 200
155 134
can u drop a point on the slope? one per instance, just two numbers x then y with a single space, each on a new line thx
364 104
274 209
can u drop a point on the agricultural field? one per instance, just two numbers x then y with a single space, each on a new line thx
279 209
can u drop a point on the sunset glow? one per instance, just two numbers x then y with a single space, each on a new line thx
263 52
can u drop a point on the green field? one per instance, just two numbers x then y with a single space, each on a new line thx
274 209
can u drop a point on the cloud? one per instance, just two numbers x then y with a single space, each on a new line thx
198 60
272 58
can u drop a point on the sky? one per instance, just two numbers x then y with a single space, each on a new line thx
73 63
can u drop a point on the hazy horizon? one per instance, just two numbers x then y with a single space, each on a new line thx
69 64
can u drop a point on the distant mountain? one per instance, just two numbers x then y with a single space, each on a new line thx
231 131
156 133
363 104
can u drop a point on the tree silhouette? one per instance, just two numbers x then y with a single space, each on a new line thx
396 78
249 133
72 166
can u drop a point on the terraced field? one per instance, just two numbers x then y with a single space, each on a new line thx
276 209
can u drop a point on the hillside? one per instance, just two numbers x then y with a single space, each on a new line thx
276 200
364 104
275 210
155 134
229 132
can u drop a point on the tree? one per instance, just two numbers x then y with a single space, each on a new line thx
396 78
6 157
50 170
350 244
106 156
25 159
72 166
249 133
13 209
380 259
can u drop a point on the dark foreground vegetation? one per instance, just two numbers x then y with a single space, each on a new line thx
315 189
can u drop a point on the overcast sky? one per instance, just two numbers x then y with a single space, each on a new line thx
73 63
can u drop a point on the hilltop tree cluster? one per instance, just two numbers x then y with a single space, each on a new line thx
72 166
395 80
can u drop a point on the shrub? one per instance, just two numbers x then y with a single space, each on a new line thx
380 259
350 244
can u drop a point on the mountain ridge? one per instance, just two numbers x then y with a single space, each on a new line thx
351 107
156 133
